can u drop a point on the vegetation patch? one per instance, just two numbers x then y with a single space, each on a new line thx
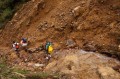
8 8
8 72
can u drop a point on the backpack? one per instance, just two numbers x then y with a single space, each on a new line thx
50 49
16 46
47 45
24 40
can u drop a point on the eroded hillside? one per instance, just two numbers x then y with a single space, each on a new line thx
64 64
79 64
71 25
92 24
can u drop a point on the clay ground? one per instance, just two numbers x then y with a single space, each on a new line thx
92 25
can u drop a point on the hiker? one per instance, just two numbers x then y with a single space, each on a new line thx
16 46
24 44
49 50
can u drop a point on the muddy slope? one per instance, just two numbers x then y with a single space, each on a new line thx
92 24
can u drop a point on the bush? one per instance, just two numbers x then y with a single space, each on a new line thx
6 14
8 72
8 8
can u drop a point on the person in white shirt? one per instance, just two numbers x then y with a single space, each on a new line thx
15 46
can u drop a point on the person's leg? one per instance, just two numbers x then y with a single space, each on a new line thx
49 56
26 49
47 52
17 52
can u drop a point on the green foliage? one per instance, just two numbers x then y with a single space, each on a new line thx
21 71
43 75
7 72
8 8
6 14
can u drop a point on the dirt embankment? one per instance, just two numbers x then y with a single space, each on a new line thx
67 64
79 64
92 24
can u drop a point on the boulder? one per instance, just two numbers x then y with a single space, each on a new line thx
70 43
108 73
31 50
117 68
90 46
77 11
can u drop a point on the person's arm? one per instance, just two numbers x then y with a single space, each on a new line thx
21 42
13 45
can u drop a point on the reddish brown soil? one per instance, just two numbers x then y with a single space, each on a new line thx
96 28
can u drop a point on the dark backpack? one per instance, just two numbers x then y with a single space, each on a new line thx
24 40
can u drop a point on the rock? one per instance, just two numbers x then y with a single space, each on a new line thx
102 1
31 50
108 73
35 65
90 46
30 64
77 11
50 66
59 28
83 26
79 27
13 55
83 2
39 65
26 22
117 68
43 25
119 47
70 43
